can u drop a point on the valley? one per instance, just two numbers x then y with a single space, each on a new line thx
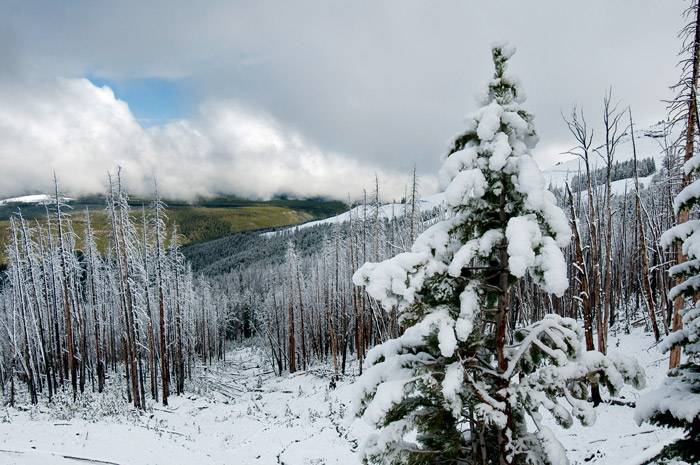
199 221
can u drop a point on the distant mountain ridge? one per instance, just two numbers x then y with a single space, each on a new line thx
203 220
210 218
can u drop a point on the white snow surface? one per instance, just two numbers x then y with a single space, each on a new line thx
239 412
235 413
386 211
35 199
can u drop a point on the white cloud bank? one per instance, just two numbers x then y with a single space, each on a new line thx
82 131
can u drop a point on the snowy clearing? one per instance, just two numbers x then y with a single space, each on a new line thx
239 412
235 412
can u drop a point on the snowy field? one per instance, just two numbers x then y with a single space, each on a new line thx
238 412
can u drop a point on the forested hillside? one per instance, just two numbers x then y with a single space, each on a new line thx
197 221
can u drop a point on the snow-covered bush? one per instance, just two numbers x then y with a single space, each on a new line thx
453 388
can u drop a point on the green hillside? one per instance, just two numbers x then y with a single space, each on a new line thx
200 220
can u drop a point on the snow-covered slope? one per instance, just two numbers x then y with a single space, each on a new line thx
390 210
648 142
38 199
239 412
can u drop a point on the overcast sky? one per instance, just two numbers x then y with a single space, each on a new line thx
306 98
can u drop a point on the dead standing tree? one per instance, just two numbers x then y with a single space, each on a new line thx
646 285
613 134
66 296
683 110
584 138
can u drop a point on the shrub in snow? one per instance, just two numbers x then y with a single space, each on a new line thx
677 402
453 388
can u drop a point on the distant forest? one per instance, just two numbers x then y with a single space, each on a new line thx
619 170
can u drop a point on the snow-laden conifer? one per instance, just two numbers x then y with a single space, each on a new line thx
454 388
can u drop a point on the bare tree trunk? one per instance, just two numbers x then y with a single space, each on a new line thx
152 364
37 306
93 295
611 119
125 294
66 298
178 331
334 345
54 298
125 350
359 343
21 304
583 276
292 348
595 263
280 342
642 242
376 218
582 135
131 332
301 320
414 198
55 355
161 305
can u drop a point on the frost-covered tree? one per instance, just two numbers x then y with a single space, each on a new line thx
683 111
677 402
455 388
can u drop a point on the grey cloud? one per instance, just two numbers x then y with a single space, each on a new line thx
83 132
385 83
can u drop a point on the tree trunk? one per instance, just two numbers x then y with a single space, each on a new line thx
683 216
643 246
66 298
292 348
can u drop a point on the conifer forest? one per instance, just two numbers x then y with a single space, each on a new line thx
474 326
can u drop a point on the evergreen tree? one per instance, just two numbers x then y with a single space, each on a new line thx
454 382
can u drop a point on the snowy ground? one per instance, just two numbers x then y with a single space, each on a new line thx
615 438
239 412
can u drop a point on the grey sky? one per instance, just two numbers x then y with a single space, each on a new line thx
362 86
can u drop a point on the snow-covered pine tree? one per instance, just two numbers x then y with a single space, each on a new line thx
454 388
